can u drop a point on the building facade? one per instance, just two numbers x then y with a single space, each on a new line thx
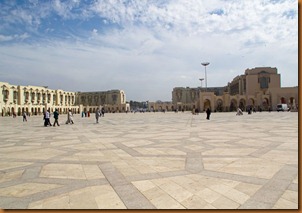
34 100
111 101
259 88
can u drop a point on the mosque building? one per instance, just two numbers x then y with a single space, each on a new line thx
259 88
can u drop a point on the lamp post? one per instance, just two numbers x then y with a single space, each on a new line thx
205 64
201 79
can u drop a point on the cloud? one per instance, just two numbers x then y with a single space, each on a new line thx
146 47
13 37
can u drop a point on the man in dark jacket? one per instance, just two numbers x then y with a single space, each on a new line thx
208 113
56 117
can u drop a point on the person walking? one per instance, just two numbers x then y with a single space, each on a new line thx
97 115
24 116
208 113
103 112
69 118
47 119
56 117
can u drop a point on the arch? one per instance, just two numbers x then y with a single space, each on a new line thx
265 103
283 100
242 104
251 102
233 105
219 105
206 104
19 111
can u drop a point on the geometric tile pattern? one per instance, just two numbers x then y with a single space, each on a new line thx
151 161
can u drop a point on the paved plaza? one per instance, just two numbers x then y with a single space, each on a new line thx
151 161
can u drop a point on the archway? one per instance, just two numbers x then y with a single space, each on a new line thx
206 104
233 105
265 104
242 104
251 102
3 111
292 102
219 105
283 100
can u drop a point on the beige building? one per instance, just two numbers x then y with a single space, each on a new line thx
111 101
258 88
34 100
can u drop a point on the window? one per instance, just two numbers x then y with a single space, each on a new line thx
263 82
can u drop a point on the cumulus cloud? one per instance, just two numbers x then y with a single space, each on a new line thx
148 47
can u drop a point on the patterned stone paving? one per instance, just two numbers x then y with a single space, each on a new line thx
151 161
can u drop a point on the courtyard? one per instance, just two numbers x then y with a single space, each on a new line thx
151 161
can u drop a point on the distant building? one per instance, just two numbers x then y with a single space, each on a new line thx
112 101
35 100
259 88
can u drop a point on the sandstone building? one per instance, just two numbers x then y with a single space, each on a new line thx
35 100
259 88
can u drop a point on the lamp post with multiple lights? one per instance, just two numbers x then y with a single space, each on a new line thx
205 64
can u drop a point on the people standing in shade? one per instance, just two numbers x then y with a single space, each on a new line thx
208 111
69 118
56 117
103 112
97 115
24 117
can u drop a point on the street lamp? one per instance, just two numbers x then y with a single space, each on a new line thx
205 64
201 79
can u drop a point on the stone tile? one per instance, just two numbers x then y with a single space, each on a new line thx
25 189
208 195
9 176
176 191
144 185
195 202
291 196
225 203
151 160
11 165
247 188
285 204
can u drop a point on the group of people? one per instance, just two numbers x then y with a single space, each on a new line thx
47 122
